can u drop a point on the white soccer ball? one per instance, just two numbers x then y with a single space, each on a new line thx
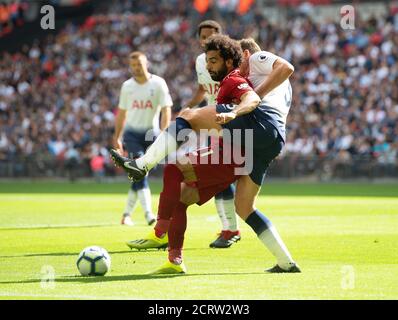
93 261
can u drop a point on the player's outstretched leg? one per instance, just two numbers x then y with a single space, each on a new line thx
128 165
168 141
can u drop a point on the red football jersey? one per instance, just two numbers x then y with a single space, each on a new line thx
232 87
213 178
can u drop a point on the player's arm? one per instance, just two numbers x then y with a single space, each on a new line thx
281 71
197 98
119 123
165 117
249 100
119 119
166 101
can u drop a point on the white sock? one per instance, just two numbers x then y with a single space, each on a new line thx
271 239
145 199
230 214
131 202
164 144
220 210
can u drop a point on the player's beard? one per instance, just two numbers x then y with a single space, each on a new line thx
219 75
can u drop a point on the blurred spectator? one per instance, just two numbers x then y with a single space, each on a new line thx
97 165
72 160
11 15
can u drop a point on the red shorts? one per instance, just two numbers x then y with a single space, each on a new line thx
212 178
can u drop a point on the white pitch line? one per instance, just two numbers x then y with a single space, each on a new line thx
55 226
211 219
62 296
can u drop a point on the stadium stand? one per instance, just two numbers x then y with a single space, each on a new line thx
58 96
11 16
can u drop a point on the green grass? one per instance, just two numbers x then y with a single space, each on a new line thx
336 232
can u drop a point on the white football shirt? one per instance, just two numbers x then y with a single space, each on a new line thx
278 100
143 102
205 79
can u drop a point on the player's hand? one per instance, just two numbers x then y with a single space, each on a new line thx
225 117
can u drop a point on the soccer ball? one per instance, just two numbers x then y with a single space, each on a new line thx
93 261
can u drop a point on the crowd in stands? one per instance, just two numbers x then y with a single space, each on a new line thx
11 15
59 96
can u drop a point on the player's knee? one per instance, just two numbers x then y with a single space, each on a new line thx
187 114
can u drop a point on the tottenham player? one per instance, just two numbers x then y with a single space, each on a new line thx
208 88
143 98
262 65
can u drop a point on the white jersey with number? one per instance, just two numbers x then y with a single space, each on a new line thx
143 102
205 80
278 101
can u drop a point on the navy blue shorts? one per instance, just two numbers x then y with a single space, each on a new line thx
134 142
266 145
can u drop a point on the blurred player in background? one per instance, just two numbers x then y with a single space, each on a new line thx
143 98
208 88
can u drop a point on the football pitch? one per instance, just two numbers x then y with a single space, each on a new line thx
343 236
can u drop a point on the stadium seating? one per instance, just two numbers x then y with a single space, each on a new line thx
58 97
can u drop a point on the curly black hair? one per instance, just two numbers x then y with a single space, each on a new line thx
229 48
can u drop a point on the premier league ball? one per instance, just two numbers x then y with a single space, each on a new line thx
93 261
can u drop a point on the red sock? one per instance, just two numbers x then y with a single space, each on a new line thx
169 198
177 229
161 227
